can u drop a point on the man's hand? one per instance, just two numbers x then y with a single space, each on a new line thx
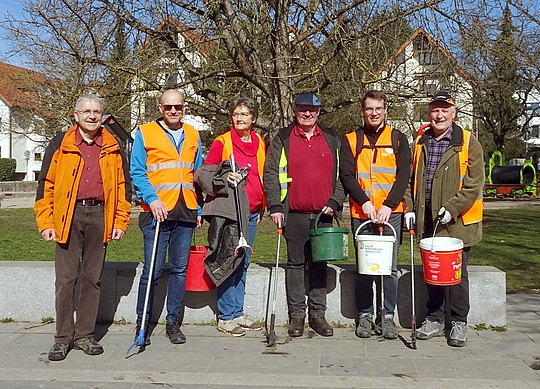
199 221
370 211
277 218
159 210
117 234
384 214
327 211
443 215
49 234
410 220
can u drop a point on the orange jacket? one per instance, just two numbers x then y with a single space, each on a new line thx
58 185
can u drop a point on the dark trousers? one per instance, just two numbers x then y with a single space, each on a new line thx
363 288
455 296
302 273
84 254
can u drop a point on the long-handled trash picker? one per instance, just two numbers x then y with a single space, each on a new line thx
271 334
383 309
242 242
140 340
410 227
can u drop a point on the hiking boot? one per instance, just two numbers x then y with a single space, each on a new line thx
59 351
321 326
430 329
146 336
458 334
173 332
296 327
248 324
363 329
89 346
230 327
389 328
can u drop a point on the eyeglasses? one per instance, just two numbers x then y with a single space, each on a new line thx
88 112
377 110
242 115
168 107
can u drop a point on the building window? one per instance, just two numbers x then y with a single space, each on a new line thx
427 54
37 156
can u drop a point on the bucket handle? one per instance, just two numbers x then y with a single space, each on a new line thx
317 222
369 221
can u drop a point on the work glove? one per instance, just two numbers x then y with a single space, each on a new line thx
443 215
410 220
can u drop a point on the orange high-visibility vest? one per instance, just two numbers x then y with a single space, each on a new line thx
226 140
168 171
474 213
376 168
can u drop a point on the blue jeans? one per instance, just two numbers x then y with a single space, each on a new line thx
231 292
364 282
176 236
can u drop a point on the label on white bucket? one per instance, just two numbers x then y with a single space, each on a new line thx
375 254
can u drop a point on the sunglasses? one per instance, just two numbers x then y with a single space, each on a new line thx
168 107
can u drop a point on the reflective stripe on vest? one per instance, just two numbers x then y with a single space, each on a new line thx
474 213
170 172
282 175
375 177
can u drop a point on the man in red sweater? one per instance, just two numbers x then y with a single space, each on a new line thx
301 181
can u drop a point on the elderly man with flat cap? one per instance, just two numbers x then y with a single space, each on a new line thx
447 183
301 180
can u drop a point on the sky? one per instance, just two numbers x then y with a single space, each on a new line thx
14 7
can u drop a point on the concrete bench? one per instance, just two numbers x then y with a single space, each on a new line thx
27 290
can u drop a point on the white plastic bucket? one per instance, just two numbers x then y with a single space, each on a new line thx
375 254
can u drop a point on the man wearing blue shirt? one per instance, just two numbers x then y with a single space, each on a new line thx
165 154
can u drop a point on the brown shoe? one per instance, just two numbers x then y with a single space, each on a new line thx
296 327
321 326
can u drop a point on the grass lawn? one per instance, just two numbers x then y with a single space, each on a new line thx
511 243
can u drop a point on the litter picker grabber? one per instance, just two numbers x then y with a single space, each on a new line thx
271 334
242 242
383 309
410 227
140 340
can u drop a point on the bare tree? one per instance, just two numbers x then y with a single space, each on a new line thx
270 50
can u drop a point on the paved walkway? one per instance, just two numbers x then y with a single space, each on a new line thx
210 359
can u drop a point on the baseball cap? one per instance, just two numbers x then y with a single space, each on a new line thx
442 96
307 98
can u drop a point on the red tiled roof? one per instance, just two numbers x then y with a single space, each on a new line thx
18 85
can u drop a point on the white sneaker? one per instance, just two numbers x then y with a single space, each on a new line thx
230 327
248 324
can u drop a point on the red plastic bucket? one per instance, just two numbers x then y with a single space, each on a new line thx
441 260
197 280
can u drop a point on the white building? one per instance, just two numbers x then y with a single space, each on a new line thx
170 71
531 120
419 69
18 138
